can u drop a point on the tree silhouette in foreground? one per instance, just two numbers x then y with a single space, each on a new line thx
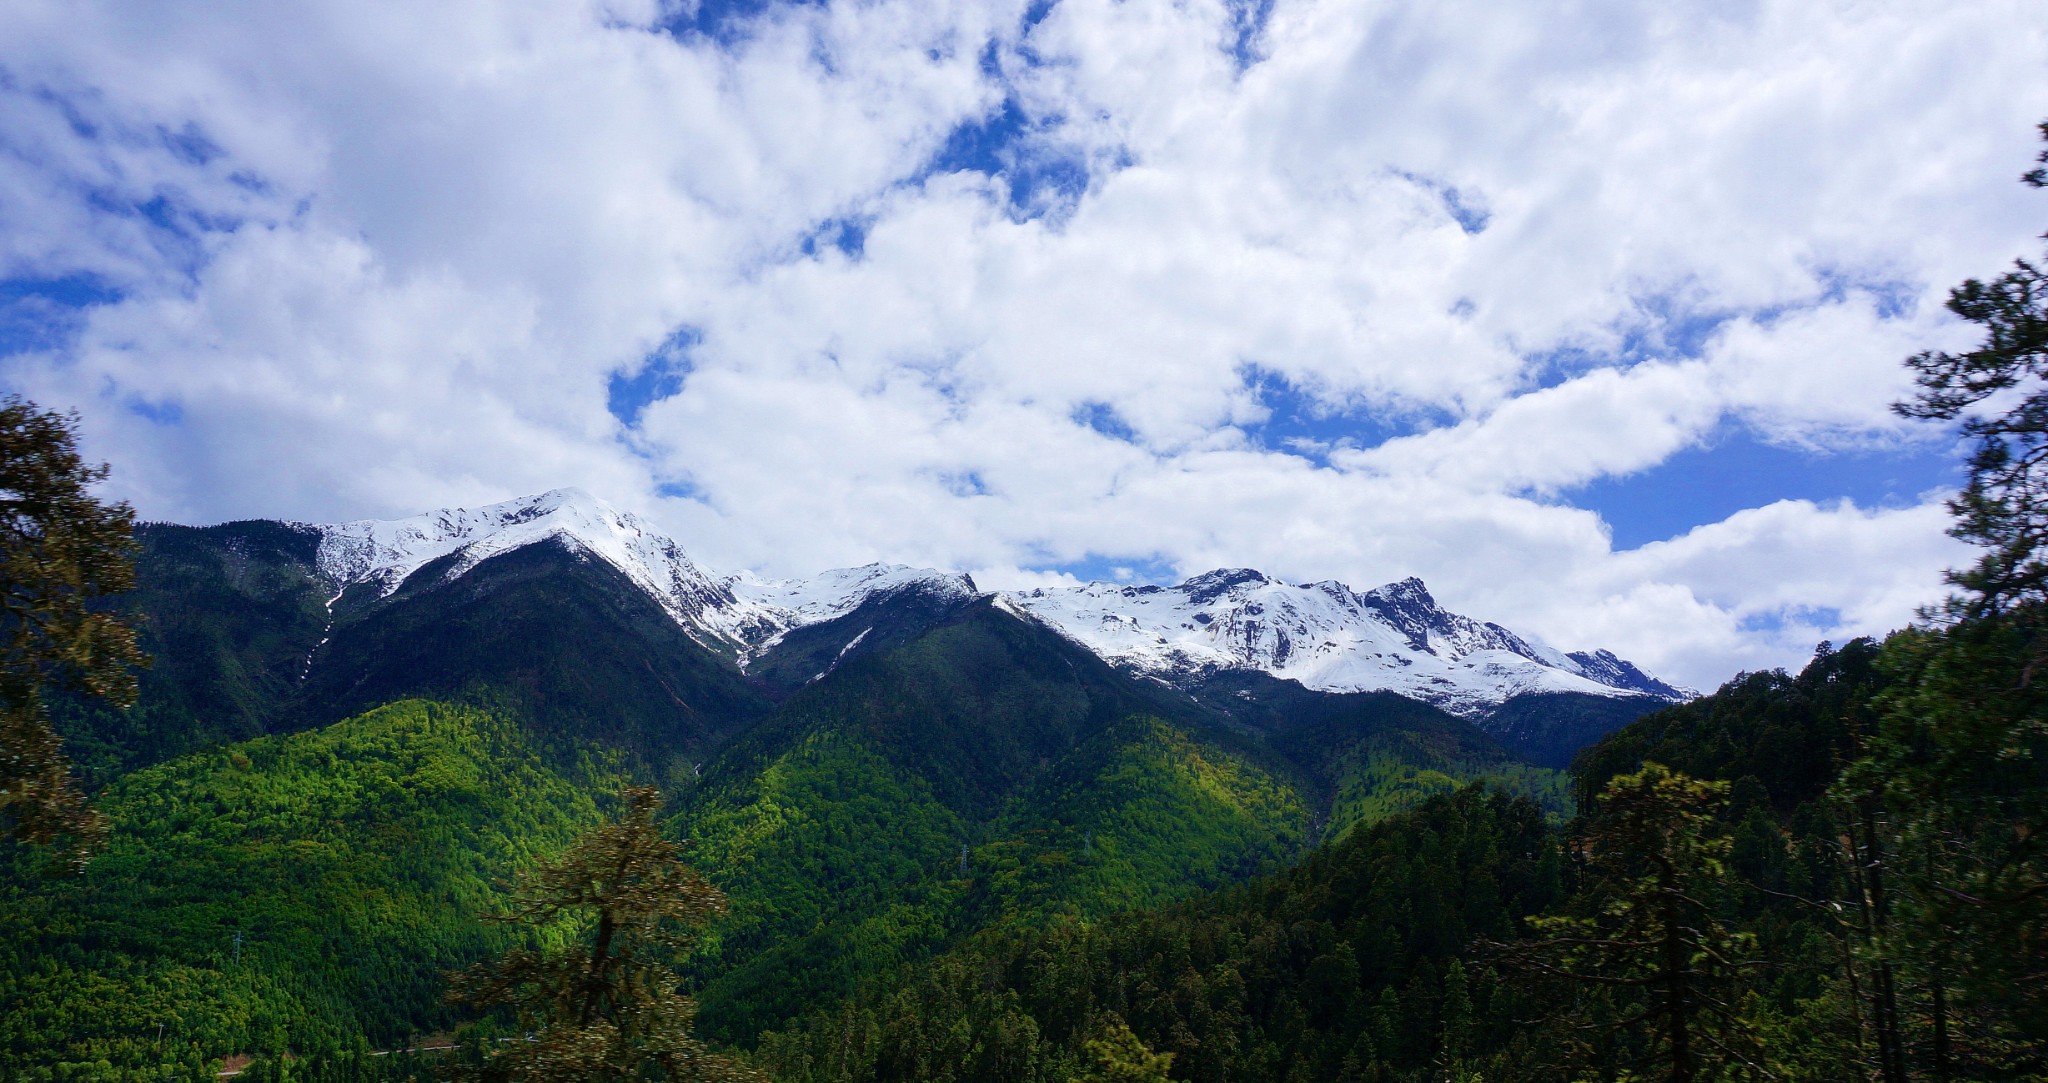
61 550
2004 505
605 1006
1648 976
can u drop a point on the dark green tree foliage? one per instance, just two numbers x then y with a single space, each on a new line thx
1953 797
1788 735
1646 950
1953 794
603 1006
1883 816
2004 505
61 551
1806 865
1119 1057
1341 968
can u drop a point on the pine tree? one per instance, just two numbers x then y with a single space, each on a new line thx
1959 771
606 1006
1646 932
1457 1012
61 551
2004 506
1120 1057
1952 794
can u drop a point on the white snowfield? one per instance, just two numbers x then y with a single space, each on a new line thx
1324 635
1327 637
740 614
823 597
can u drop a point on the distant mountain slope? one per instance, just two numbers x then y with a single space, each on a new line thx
1330 638
1325 635
566 640
593 625
227 614
983 768
1549 728
1368 755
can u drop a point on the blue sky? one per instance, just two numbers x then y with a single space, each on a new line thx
1589 316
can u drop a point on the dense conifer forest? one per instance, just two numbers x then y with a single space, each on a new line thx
302 898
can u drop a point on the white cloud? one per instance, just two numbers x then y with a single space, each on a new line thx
1766 584
1564 243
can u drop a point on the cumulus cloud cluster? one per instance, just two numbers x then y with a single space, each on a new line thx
1033 288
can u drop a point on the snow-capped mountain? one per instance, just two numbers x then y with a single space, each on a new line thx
1327 637
1324 635
740 614
798 603
386 552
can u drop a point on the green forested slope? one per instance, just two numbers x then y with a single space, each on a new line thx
1365 756
1342 968
353 863
966 771
237 622
555 636
1378 779
985 771
1400 950
227 615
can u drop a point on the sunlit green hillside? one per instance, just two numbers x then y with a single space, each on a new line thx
307 890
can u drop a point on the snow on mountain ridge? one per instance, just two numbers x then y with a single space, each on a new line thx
387 552
1324 635
832 594
741 613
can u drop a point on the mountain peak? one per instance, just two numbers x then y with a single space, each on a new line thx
1213 584
1411 590
831 593
736 614
569 496
386 553
1326 636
